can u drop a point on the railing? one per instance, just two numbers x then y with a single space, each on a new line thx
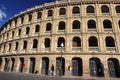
48 32
59 49
23 50
110 49
36 33
13 52
91 30
46 49
93 49
108 29
61 31
26 35
76 30
34 50
76 15
91 14
106 14
76 49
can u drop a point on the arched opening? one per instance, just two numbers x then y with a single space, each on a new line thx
21 65
113 67
50 13
0 63
60 40
25 45
45 65
39 15
35 43
47 43
96 67
27 30
93 42
119 24
30 18
76 10
9 46
6 67
19 32
62 11
61 26
109 42
76 42
48 27
117 9
91 25
76 26
90 9
16 48
32 65
22 19
107 26
13 63
77 68
105 9
37 28
60 66
13 34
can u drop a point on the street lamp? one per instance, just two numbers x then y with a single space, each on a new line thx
61 58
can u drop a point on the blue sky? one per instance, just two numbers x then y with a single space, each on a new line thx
8 8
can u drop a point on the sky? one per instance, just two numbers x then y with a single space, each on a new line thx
8 8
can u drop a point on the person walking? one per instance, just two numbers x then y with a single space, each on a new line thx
52 69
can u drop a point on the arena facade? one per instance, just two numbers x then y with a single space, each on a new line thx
89 31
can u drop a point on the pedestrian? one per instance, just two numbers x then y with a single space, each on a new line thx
52 69
69 71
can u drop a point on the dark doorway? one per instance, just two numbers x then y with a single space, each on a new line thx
77 67
60 60
13 62
96 67
6 68
113 67
45 65
32 65
22 65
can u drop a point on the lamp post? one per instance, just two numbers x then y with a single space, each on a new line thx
61 58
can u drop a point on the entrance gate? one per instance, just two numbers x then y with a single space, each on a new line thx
77 67
22 65
45 66
6 68
13 62
32 65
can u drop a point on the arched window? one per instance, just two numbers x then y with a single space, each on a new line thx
90 9
61 25
25 45
22 19
47 42
39 15
91 24
16 48
109 42
117 9
61 40
76 24
48 26
9 46
19 32
76 42
37 28
105 9
93 42
107 24
35 43
62 11
76 10
50 13
30 18
13 34
27 30
119 23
